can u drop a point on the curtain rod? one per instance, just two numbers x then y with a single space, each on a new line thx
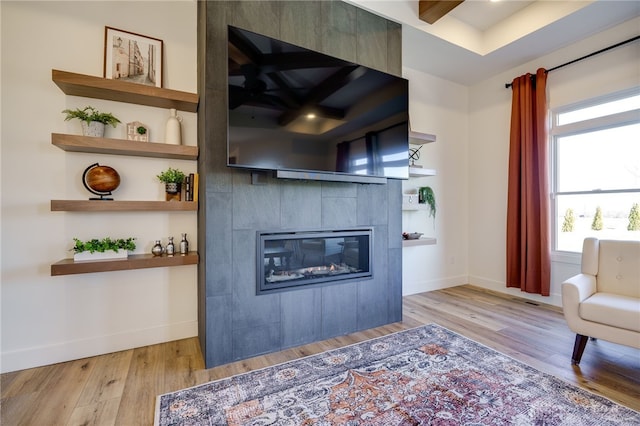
632 39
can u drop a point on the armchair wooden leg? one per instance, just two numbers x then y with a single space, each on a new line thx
578 348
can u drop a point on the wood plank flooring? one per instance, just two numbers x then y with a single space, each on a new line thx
121 388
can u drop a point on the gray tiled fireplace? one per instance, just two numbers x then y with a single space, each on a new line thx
235 320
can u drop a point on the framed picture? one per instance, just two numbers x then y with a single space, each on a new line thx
132 57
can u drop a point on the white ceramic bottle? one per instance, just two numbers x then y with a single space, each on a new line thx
173 133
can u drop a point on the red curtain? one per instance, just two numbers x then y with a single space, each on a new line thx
528 251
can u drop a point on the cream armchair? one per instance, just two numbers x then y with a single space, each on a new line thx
603 301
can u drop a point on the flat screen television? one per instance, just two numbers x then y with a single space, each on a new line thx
305 114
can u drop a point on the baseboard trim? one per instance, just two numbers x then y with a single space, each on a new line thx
500 287
99 345
409 288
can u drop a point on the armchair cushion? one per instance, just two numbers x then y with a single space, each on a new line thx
619 267
612 309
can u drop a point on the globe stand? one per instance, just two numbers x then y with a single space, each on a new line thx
102 197
102 194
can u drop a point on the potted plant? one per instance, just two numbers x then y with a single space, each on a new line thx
93 121
172 179
100 249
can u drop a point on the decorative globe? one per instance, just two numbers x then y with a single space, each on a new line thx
100 180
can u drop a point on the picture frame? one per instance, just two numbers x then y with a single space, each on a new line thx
132 57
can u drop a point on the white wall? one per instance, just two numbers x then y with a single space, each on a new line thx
488 144
438 107
50 319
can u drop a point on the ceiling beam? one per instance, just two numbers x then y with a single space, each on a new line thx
432 10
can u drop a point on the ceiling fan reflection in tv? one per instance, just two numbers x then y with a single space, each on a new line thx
305 114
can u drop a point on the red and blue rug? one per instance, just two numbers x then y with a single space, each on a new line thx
424 376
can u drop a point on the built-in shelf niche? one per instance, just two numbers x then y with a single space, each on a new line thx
120 91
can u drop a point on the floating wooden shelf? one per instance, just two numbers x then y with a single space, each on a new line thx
420 172
419 242
121 206
420 138
77 143
415 206
122 91
134 261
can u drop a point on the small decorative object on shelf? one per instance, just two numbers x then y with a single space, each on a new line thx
136 131
414 154
100 180
191 187
157 249
184 245
172 178
426 196
171 248
410 198
173 134
93 121
102 249
411 235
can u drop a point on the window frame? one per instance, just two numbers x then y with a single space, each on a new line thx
590 125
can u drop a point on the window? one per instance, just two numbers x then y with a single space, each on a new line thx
596 170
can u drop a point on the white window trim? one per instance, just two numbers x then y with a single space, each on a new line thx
586 126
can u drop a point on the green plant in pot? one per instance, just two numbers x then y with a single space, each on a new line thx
104 244
93 121
172 179
105 248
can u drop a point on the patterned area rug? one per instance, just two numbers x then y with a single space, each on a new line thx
424 376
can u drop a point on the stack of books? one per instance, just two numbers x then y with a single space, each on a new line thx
191 187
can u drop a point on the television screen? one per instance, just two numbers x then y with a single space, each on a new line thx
295 109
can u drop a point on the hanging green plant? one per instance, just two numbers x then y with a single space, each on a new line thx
426 196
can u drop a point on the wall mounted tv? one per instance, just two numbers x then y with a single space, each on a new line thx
308 115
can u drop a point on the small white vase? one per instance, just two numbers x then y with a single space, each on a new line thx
173 135
95 128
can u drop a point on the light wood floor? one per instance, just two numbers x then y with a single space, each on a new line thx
120 388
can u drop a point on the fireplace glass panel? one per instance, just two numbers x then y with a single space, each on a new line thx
293 259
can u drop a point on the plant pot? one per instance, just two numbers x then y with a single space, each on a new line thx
87 256
95 129
173 191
